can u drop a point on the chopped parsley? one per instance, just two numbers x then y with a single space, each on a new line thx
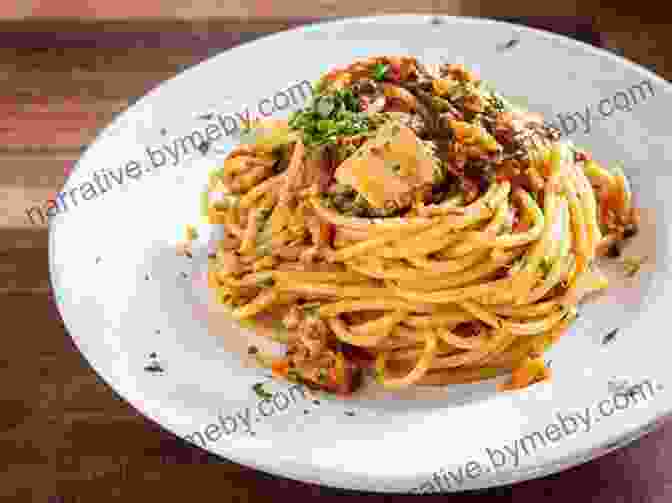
258 388
330 116
379 71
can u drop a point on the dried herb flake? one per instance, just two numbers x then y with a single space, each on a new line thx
610 336
258 388
510 44
154 367
204 147
632 265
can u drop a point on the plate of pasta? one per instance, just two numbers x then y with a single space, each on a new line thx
417 251
413 218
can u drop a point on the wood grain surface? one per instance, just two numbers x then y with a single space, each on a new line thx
64 434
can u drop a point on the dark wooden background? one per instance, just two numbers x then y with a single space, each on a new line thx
64 434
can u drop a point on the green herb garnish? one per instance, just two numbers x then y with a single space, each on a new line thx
378 375
322 375
294 375
247 323
205 203
266 281
545 265
261 392
488 372
632 265
319 85
264 250
227 201
311 310
262 217
379 71
330 116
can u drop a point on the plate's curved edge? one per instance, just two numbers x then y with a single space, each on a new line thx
516 476
512 476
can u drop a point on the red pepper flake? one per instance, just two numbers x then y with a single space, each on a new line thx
332 379
520 226
468 328
358 356
580 155
604 211
280 367
331 233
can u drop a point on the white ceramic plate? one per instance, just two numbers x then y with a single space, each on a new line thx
123 295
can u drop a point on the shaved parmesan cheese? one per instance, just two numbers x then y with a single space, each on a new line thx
388 167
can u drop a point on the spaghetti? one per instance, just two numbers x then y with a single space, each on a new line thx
410 220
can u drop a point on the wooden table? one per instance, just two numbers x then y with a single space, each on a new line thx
63 432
